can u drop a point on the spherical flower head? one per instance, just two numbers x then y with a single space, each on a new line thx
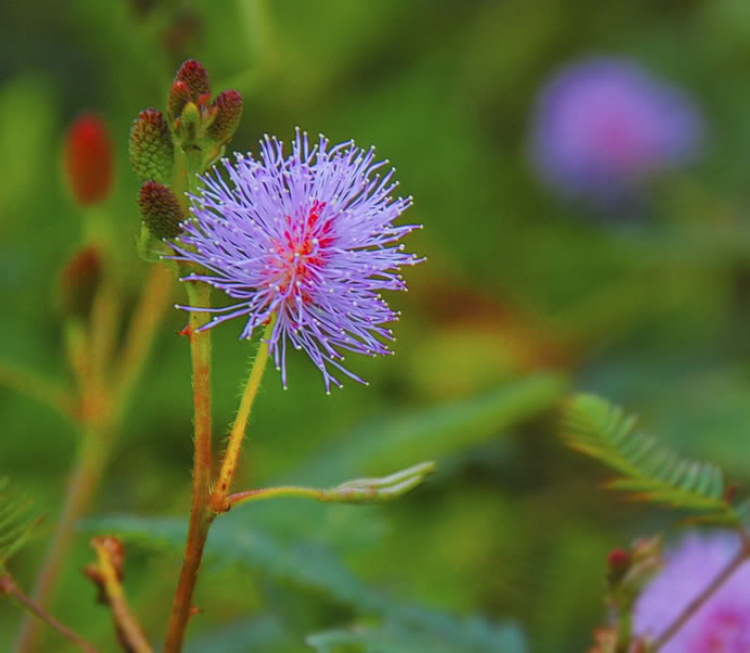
308 237
722 624
603 125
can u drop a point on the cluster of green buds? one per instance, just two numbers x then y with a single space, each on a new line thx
167 152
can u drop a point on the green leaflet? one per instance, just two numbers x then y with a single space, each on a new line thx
17 522
313 567
649 471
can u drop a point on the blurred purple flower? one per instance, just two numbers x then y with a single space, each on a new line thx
603 124
309 237
722 625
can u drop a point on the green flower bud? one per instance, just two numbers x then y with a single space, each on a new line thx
151 149
188 124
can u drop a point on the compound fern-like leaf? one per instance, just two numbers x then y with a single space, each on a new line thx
17 522
648 470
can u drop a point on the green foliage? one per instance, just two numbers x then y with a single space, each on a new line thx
17 522
313 567
649 471
264 634
438 431
648 304
394 638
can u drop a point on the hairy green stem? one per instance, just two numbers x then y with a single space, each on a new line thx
231 456
361 490
200 515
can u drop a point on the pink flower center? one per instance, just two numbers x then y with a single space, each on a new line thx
299 254
726 631
626 145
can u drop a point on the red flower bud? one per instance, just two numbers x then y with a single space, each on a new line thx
88 159
619 559
194 75
228 106
160 210
179 96
619 562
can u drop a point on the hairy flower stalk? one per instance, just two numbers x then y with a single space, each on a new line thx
200 516
305 242
309 238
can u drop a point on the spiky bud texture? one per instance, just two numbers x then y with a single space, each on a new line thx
194 76
151 149
228 106
88 159
79 281
160 210
179 96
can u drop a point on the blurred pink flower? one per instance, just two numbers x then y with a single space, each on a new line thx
602 125
722 625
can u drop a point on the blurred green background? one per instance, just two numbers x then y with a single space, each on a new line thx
522 299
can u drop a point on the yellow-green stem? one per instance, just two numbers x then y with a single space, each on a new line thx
128 627
183 177
200 516
231 456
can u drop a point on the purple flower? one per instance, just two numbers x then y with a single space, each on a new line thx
722 625
308 237
602 125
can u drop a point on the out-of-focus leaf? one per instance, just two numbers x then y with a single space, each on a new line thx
261 635
571 589
231 543
394 638
438 431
